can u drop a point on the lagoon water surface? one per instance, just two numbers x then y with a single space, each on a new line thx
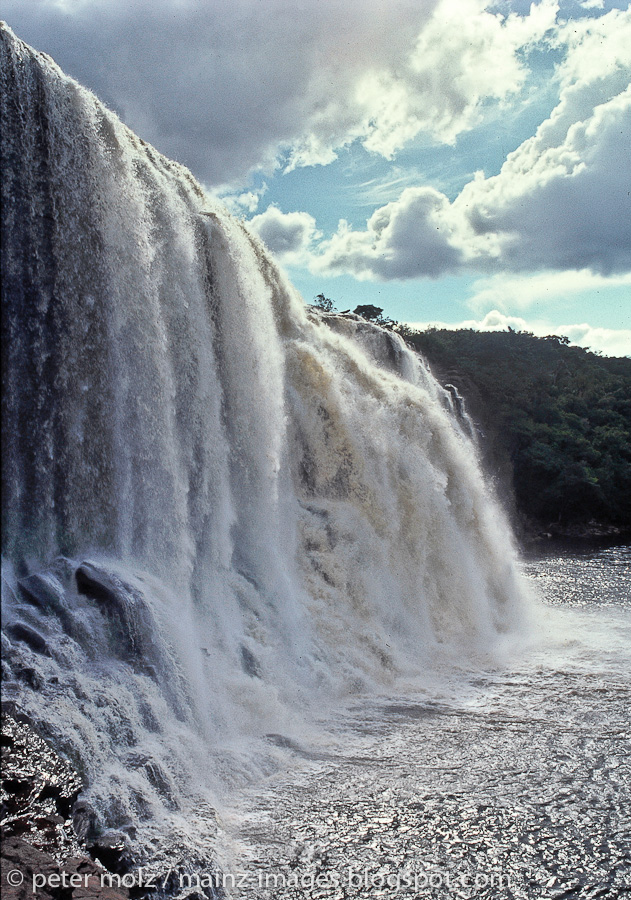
514 782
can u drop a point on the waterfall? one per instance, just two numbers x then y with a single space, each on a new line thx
223 513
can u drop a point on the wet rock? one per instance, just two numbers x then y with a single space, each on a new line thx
36 873
64 569
43 591
48 592
249 663
84 820
40 851
124 606
148 670
155 774
45 826
98 584
22 632
112 849
29 676
36 782
37 791
159 779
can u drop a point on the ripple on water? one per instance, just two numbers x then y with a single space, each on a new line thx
519 789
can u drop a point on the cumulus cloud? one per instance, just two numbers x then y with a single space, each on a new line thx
561 200
521 292
221 86
609 341
225 87
239 203
466 55
288 235
560 207
404 239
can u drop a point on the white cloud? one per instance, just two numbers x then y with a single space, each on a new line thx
288 235
465 56
410 237
510 292
598 51
560 202
246 201
609 341
492 321
224 87
239 202
563 207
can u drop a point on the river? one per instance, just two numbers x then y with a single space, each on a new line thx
512 782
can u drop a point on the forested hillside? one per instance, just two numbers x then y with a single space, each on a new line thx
555 421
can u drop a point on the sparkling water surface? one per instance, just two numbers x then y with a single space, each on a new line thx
514 783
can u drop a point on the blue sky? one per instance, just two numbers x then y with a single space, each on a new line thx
449 161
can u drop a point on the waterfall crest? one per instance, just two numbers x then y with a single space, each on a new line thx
220 510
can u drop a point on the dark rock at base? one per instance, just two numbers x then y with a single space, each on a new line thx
39 796
38 787
29 676
77 878
84 820
47 591
112 850
97 583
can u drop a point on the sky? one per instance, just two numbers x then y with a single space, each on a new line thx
449 161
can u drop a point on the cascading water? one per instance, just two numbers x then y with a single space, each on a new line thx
221 514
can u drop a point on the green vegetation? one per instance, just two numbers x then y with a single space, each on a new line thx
556 419
323 303
372 313
366 311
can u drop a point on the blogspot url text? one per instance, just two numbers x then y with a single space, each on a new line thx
349 877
